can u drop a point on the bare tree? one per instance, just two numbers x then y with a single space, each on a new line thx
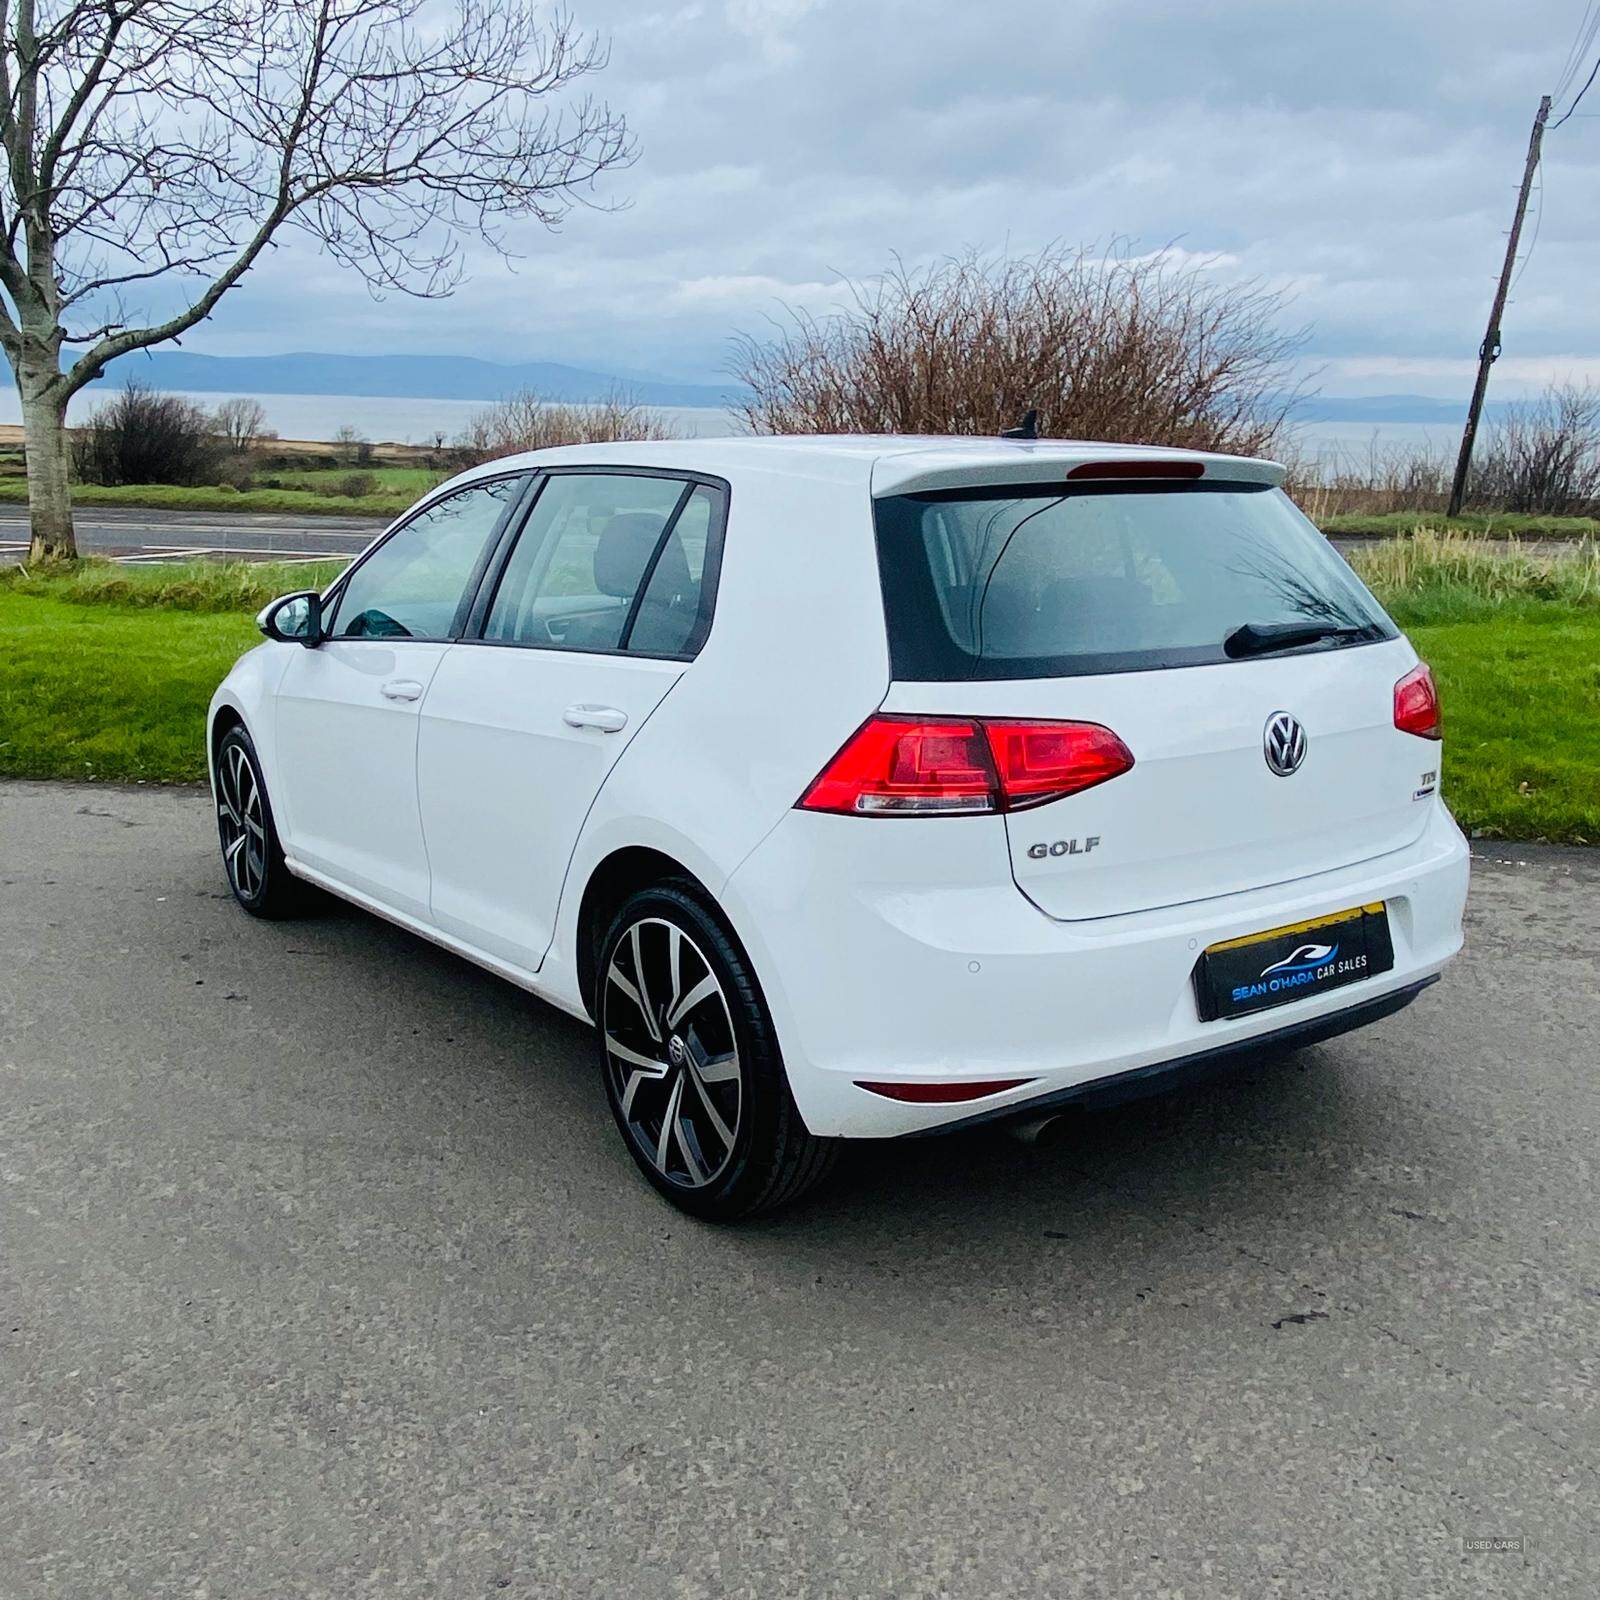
240 423
1105 345
161 146
347 442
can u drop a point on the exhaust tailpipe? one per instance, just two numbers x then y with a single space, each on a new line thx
1042 1133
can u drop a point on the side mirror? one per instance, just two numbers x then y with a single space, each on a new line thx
293 619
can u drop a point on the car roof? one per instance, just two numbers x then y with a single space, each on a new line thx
881 463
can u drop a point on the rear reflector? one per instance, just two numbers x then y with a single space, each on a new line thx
1137 469
963 766
1416 704
932 1094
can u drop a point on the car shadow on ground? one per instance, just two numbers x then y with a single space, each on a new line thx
1262 1138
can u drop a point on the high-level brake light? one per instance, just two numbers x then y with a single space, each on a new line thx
1126 467
963 766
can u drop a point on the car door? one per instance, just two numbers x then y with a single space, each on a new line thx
602 601
346 714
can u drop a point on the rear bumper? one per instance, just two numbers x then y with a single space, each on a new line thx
1161 1075
891 953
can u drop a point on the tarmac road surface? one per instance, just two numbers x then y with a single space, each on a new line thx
324 1273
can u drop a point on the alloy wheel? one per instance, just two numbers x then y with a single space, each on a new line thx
671 1052
241 821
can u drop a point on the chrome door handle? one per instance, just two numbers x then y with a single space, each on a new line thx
606 718
401 689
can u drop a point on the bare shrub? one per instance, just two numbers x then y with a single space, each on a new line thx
1118 347
355 485
240 423
1543 455
1375 481
234 472
525 422
144 437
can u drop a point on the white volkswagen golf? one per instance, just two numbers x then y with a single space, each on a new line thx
860 787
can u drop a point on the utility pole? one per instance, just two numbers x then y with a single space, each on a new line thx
1490 348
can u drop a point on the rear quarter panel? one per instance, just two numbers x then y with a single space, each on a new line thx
796 659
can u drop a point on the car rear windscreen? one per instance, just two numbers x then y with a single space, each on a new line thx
1048 580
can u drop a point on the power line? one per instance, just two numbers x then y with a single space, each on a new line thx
1581 93
1580 48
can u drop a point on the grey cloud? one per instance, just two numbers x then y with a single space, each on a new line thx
1363 155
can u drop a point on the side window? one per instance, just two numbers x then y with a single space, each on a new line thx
669 616
573 576
411 586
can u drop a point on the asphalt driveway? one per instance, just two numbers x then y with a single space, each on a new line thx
322 1272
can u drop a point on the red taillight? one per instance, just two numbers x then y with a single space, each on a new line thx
907 764
1040 761
1416 704
963 766
931 1094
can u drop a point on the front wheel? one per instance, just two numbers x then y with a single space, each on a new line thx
251 855
691 1063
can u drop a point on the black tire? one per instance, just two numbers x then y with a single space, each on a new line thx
252 858
670 1091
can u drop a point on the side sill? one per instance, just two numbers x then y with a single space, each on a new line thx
520 976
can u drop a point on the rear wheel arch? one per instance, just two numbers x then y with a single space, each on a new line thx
617 876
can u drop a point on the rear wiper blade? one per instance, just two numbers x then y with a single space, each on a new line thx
1258 638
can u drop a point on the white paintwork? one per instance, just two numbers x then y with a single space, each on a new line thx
346 740
908 948
504 781
1201 814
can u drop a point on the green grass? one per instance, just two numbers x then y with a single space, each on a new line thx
1521 695
109 692
1447 578
1514 641
174 497
1476 524
412 482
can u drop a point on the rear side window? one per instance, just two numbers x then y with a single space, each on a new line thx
1065 581
673 613
572 580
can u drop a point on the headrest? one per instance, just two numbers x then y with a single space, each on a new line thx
624 547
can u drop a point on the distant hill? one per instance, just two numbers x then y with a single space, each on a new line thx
419 377
402 376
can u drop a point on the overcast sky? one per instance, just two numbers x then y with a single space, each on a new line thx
1363 155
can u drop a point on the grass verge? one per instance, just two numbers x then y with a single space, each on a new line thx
109 691
216 586
1521 695
1472 524
385 503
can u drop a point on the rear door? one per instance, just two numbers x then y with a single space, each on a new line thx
599 607
1116 606
346 711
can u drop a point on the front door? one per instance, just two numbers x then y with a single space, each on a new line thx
347 710
603 601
